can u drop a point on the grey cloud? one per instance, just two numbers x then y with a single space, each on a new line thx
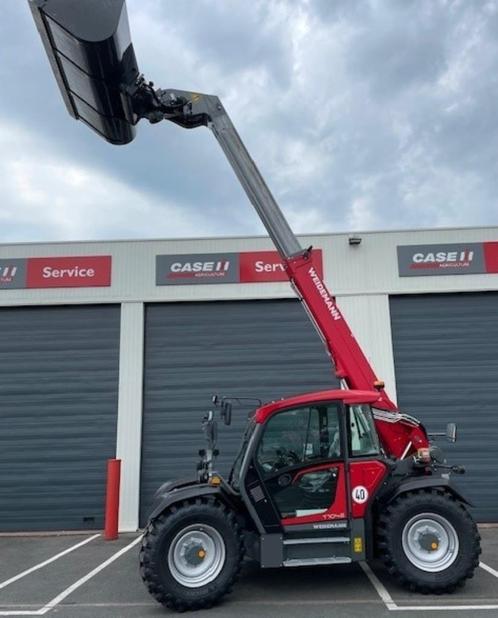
357 10
375 114
401 46
234 35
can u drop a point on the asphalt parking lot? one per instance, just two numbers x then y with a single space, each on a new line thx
83 576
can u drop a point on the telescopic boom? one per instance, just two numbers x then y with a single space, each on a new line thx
351 365
89 47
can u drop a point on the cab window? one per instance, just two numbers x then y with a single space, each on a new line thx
363 438
299 436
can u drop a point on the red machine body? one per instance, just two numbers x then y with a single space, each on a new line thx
399 434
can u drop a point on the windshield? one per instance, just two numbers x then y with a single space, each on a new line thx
235 473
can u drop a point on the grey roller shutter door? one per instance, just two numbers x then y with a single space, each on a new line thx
446 360
58 414
265 349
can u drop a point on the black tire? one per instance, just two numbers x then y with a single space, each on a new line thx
155 554
393 526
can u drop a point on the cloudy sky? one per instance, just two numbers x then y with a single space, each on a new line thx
361 115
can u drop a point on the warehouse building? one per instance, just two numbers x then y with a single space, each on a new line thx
115 348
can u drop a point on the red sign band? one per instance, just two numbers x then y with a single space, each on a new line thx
69 272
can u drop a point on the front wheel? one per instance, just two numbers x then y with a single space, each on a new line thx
428 541
191 554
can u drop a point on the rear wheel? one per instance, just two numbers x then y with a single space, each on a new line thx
428 541
191 554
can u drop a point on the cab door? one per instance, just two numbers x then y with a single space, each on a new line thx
301 463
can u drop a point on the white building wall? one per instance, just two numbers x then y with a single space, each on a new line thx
370 268
369 319
129 430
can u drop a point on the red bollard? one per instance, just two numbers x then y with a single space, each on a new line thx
112 499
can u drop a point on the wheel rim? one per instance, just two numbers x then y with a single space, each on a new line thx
196 555
430 542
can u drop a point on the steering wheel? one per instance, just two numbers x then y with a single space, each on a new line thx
283 459
290 457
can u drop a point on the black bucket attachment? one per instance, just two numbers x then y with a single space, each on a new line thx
89 47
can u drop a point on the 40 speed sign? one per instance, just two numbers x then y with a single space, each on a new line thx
360 494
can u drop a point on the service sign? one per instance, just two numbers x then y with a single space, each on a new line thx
56 272
470 258
213 268
261 266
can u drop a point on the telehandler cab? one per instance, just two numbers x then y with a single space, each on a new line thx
322 478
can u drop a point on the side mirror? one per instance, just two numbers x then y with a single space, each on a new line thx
89 48
451 432
215 400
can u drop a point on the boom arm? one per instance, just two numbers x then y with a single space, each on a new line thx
351 365
90 51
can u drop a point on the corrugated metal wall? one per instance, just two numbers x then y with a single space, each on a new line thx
446 359
265 349
58 412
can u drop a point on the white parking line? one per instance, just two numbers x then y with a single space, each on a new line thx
379 586
65 593
7 582
391 605
21 612
488 569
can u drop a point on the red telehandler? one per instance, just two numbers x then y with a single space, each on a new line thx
323 478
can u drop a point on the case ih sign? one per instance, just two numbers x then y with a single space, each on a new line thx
470 258
248 267
56 272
